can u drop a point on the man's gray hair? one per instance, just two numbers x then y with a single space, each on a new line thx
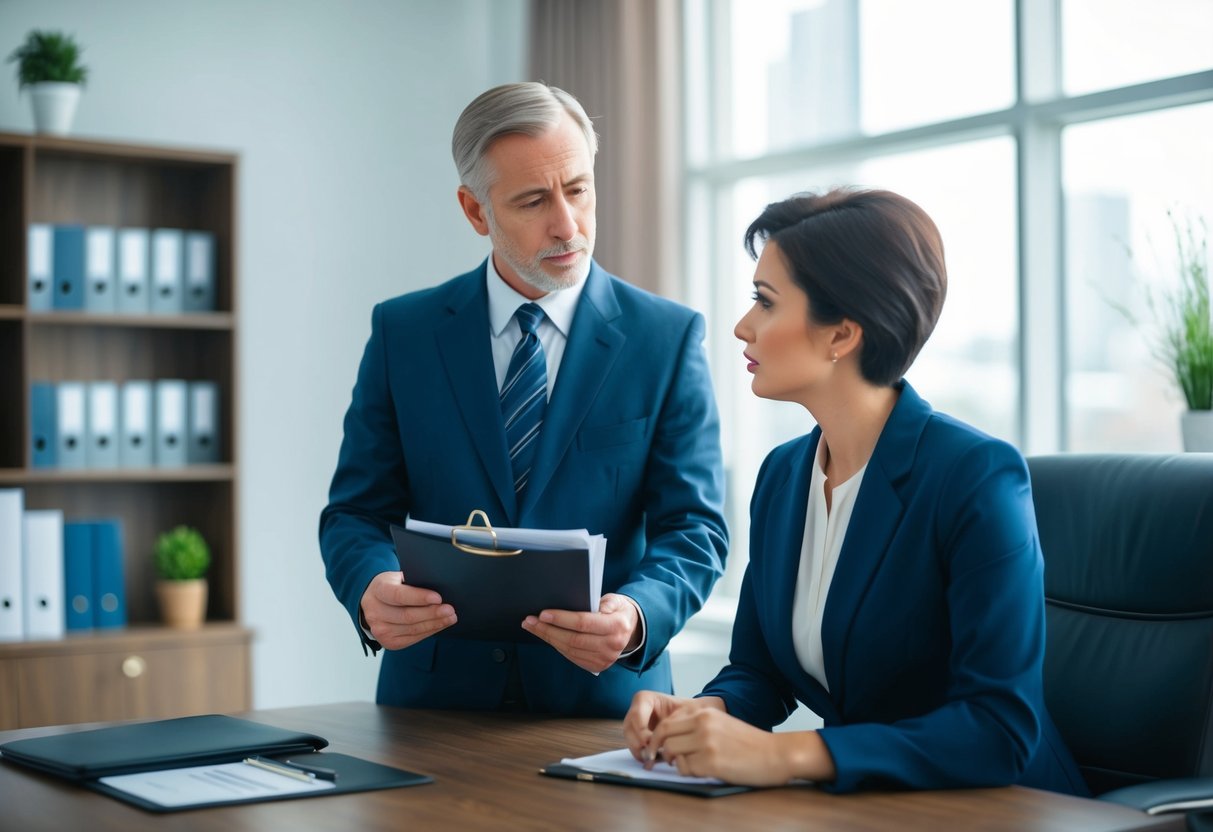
529 107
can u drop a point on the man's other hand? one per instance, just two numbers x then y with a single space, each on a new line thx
399 615
590 640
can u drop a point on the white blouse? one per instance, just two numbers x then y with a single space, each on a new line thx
824 532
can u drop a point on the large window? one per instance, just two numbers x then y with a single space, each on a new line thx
1122 176
1047 138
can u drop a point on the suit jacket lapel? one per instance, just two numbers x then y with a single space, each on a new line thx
874 521
463 343
782 545
593 345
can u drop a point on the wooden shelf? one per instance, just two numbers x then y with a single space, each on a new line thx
110 151
80 678
208 320
137 637
189 473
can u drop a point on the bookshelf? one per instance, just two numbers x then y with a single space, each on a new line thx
144 670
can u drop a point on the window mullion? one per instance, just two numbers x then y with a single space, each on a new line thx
1041 313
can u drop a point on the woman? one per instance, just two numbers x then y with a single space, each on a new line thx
895 581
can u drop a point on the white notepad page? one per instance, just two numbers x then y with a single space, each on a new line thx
196 785
622 762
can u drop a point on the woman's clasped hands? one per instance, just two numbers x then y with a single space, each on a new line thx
700 739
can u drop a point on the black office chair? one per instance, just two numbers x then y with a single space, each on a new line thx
1128 675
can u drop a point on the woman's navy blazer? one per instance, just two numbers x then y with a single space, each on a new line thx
934 627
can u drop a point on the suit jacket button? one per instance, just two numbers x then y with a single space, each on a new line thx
498 655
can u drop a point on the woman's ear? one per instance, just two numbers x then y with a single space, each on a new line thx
846 338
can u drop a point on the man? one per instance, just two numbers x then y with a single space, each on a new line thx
549 394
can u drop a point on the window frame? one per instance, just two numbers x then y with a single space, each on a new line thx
1035 121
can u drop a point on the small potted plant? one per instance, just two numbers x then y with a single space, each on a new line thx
1183 331
182 558
48 64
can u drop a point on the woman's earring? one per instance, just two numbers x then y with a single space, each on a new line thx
834 358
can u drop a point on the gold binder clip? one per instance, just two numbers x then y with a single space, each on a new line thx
487 527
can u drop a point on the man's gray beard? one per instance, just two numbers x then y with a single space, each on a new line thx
544 282
536 277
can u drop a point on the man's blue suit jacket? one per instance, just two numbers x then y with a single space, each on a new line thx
933 633
630 449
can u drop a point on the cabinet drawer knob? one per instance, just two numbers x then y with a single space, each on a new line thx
133 667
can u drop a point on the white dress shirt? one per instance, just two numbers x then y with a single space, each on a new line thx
825 529
504 332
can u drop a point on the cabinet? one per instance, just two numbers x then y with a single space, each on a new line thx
141 672
59 180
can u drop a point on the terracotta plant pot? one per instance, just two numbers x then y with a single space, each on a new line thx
182 603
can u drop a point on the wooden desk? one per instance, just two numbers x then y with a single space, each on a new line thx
485 767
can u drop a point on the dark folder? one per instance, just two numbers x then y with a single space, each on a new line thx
569 772
83 757
493 589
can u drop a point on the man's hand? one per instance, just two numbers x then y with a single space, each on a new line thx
399 615
590 640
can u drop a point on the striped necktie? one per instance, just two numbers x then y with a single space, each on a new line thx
524 395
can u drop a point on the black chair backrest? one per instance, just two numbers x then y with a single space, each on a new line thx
1128 548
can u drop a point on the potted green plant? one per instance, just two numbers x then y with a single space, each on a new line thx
48 65
182 558
1182 322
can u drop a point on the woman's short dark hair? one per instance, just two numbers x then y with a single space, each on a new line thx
871 256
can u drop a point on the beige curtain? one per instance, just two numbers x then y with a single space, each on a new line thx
621 59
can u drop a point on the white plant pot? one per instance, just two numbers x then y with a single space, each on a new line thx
1197 428
54 106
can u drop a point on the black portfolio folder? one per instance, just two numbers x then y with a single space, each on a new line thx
145 746
569 772
84 757
493 589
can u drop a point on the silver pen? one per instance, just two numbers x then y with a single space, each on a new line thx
294 770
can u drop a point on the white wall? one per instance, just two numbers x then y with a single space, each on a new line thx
341 113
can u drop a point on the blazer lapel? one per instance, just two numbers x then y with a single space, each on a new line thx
782 543
463 343
594 344
874 520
